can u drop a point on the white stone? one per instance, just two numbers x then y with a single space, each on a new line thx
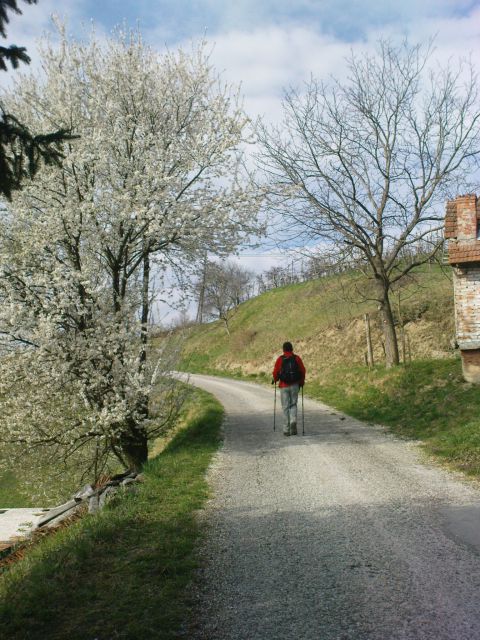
18 522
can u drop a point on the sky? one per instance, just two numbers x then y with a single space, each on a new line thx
267 46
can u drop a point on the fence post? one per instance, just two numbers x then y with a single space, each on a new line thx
369 341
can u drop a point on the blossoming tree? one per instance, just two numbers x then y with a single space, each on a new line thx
153 179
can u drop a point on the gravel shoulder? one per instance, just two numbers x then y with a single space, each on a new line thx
344 533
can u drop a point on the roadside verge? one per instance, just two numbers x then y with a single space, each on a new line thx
427 401
123 572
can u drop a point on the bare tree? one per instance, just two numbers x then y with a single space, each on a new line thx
278 276
181 320
367 164
225 286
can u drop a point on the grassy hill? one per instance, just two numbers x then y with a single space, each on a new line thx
425 398
324 320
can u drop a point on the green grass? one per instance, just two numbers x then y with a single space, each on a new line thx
324 318
259 322
12 493
123 573
427 400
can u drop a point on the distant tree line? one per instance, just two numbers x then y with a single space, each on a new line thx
223 286
220 289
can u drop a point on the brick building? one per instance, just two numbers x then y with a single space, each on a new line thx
462 230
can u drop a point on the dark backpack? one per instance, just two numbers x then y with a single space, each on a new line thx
290 371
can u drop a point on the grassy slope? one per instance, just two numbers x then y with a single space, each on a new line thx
324 321
122 573
426 400
12 494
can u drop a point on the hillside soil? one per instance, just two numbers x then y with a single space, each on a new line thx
324 319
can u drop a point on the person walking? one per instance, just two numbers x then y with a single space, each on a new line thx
290 371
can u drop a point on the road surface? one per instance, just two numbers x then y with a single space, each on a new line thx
344 533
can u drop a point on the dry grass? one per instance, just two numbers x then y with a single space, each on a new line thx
324 320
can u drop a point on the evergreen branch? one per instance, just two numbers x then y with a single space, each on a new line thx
14 55
22 153
9 5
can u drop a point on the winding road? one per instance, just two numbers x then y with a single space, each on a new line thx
344 533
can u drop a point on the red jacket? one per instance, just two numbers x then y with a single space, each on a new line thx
278 366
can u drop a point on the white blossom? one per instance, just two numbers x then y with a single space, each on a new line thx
153 179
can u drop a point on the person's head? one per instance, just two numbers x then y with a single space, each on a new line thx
287 346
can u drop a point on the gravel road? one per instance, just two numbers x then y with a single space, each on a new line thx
344 533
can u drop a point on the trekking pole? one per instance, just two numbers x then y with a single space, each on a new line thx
303 416
274 405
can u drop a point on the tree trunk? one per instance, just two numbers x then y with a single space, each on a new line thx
369 341
145 308
201 298
225 322
388 326
134 445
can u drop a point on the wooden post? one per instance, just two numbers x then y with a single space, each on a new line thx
369 341
409 350
400 319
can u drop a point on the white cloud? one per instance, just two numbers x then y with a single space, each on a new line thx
268 60
280 50
348 20
454 37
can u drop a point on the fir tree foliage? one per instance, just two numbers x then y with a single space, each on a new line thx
11 54
21 151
